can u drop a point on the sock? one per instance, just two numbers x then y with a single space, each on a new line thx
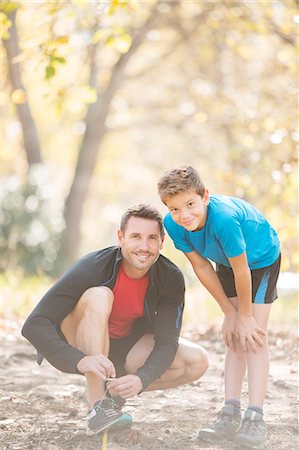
235 403
257 409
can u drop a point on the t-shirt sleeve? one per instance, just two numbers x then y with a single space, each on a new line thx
230 236
178 234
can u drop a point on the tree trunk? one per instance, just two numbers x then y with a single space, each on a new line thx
88 153
31 141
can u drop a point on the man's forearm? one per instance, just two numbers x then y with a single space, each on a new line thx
42 334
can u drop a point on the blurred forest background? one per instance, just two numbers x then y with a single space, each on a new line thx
98 98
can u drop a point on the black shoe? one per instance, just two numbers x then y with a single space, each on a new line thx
125 420
253 433
102 416
225 427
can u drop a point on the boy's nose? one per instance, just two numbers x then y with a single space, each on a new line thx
185 215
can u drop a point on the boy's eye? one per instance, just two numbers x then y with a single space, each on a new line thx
191 204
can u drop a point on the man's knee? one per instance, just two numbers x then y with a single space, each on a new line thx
97 300
195 361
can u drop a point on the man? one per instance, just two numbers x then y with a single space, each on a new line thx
117 312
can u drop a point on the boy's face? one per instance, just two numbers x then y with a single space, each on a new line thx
189 209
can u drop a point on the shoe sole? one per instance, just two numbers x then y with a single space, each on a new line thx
89 431
250 447
211 438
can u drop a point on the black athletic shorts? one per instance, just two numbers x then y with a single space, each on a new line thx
263 282
119 348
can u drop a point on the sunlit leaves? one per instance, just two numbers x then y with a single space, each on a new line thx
5 25
18 96
114 37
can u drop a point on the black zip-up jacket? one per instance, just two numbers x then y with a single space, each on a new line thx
163 308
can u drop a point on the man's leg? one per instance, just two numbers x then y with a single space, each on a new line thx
86 328
190 362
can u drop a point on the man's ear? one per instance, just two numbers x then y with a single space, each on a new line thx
119 237
162 241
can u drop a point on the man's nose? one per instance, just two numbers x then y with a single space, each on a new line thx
144 244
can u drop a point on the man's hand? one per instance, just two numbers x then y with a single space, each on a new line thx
228 329
249 333
98 364
126 386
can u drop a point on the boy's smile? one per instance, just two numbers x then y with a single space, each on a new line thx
189 209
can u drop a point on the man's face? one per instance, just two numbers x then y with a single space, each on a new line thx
189 209
140 245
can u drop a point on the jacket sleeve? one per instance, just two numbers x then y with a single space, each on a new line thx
41 326
167 327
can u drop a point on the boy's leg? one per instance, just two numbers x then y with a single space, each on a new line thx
253 432
235 368
86 328
258 363
229 420
190 362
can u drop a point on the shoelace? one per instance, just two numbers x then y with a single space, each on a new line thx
250 426
110 412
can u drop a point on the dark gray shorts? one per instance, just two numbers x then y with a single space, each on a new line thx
264 282
119 348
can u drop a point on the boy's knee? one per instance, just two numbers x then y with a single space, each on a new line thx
98 300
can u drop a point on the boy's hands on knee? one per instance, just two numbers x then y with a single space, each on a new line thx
248 333
228 329
98 364
126 386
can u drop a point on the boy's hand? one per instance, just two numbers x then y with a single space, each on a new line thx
99 364
249 333
126 386
228 329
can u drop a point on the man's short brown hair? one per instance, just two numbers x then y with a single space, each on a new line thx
180 179
143 211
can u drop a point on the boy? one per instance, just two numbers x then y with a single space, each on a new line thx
246 250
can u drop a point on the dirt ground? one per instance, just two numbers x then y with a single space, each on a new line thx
44 409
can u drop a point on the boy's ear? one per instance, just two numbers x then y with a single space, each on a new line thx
206 197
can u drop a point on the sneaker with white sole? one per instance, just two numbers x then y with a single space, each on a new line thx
225 427
253 432
102 416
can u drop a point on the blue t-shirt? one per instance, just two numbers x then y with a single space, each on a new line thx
232 227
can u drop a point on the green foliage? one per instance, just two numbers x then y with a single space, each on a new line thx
31 225
212 84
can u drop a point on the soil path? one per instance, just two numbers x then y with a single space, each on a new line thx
43 409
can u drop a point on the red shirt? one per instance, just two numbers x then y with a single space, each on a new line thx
128 304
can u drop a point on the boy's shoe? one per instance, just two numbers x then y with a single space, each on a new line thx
253 433
103 415
225 427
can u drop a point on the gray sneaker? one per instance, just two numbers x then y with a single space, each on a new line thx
225 427
253 433
102 416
